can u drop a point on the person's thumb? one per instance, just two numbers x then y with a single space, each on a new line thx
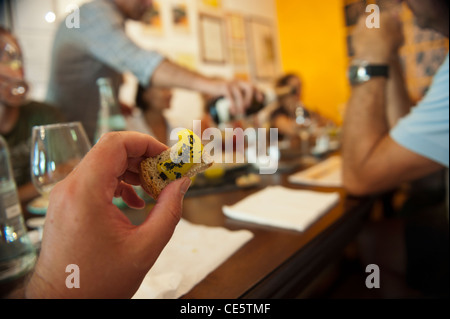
159 226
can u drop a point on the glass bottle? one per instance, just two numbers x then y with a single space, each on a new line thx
219 108
17 253
109 118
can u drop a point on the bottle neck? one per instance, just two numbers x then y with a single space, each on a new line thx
110 117
6 174
219 109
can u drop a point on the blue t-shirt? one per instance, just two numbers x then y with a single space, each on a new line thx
425 129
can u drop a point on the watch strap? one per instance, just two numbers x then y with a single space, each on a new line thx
377 70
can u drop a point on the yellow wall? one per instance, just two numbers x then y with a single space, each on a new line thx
313 44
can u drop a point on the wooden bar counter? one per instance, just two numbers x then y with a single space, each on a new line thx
275 263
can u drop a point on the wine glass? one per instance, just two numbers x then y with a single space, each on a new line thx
56 150
305 126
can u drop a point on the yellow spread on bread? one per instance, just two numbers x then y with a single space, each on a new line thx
186 153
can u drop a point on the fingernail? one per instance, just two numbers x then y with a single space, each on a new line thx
185 185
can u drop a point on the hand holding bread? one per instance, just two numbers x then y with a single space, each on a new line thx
97 235
184 159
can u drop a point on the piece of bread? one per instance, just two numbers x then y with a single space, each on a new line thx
153 182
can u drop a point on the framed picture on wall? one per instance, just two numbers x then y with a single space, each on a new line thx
152 20
263 52
236 26
212 39
180 16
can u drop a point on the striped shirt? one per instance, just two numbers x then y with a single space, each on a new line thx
98 48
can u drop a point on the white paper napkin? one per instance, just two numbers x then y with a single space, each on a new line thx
282 207
327 174
193 252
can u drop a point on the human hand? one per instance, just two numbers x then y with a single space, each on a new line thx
125 109
83 226
379 45
240 93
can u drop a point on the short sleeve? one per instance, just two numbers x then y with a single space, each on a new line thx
425 130
103 34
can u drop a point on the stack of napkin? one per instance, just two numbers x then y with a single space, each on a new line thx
327 174
283 207
193 252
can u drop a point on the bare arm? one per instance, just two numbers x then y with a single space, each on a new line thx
398 101
169 74
372 160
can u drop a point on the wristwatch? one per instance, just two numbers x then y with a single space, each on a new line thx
361 71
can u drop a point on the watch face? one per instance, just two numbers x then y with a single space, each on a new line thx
352 73
358 74
361 71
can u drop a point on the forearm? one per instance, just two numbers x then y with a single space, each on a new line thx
398 100
365 125
169 74
372 160
240 93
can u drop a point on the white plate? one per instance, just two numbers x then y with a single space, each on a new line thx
38 206
36 223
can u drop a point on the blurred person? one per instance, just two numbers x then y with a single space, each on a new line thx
388 142
99 47
291 113
113 256
148 115
284 116
17 114
208 120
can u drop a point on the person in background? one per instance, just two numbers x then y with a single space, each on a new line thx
113 256
284 116
291 113
17 114
148 115
99 47
387 142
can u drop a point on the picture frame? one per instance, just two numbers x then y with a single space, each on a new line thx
180 17
236 26
262 49
212 39
152 20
